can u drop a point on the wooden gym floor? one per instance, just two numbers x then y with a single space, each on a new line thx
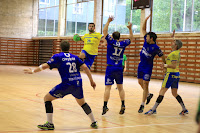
22 107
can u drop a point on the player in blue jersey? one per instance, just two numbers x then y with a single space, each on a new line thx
68 66
149 51
114 70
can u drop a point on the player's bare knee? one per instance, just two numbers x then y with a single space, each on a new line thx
174 94
145 83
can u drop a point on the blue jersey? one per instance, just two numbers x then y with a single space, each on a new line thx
148 52
115 51
68 66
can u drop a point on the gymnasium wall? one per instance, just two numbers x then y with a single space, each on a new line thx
18 18
15 51
189 65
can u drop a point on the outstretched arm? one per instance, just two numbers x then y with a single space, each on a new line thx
87 71
129 26
38 69
105 29
144 25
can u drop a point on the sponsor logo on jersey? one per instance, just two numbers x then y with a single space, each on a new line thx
144 51
68 59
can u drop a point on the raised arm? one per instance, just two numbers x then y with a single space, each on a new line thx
129 26
38 69
105 29
87 71
144 25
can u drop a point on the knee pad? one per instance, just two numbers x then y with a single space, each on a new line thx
159 99
86 108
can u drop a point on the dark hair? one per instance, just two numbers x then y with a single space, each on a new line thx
152 35
64 45
178 43
91 23
116 35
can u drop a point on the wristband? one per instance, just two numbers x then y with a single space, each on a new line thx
33 71
40 67
165 65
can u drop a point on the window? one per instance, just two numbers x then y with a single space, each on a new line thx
196 18
121 10
181 15
48 17
78 17
77 8
161 15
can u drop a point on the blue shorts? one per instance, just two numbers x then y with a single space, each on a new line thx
144 73
89 59
64 89
113 73
171 80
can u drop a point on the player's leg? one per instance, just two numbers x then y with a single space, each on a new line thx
146 78
118 75
179 99
106 98
49 112
158 101
167 82
144 96
140 76
82 55
109 81
88 111
122 97
89 60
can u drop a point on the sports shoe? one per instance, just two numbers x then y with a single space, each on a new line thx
94 125
149 98
141 109
150 112
46 126
121 112
105 109
183 112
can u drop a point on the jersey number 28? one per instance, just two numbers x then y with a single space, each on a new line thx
72 67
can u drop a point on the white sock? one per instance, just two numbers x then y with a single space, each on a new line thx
91 116
50 117
142 103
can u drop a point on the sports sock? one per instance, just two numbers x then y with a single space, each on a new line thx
179 99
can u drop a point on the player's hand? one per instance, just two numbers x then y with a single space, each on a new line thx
162 65
93 84
28 71
103 44
125 69
129 26
165 70
110 19
173 33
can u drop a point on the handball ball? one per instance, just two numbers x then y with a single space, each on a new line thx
76 38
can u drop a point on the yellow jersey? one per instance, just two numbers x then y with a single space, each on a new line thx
173 56
91 42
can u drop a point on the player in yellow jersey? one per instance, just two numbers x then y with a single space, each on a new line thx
171 78
91 43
